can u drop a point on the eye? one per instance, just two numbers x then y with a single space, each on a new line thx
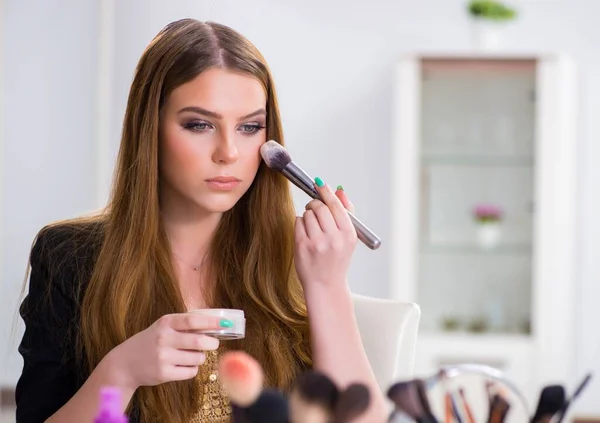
197 126
251 128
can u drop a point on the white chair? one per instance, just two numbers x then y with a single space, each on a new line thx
388 330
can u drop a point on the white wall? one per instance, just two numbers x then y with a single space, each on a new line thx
48 165
332 62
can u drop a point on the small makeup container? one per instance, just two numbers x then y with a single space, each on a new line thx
237 330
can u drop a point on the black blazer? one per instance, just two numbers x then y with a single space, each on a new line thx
51 374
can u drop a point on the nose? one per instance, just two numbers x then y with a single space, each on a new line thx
226 151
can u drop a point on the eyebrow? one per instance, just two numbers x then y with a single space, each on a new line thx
201 111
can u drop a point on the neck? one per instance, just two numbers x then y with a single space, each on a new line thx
189 229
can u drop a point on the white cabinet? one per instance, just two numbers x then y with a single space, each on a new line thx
483 195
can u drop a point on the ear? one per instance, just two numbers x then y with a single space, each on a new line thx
352 403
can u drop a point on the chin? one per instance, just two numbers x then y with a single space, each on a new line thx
218 204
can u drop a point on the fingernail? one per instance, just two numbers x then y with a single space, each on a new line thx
319 182
340 188
226 323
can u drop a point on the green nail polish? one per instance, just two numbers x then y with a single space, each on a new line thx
226 323
319 182
340 188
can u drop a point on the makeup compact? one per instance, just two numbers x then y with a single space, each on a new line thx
236 323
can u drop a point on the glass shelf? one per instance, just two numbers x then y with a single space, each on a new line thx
505 249
429 159
477 147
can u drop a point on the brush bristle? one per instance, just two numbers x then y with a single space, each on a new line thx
270 407
421 389
241 377
551 400
304 411
406 398
499 409
352 402
275 155
316 387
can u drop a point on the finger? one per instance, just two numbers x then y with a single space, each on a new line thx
341 194
300 230
311 224
194 322
338 211
323 214
188 358
183 373
194 342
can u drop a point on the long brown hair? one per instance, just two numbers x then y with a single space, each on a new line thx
133 281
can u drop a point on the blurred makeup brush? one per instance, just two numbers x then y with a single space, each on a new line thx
313 398
270 407
454 407
352 403
242 379
499 409
278 159
422 391
466 406
563 411
448 414
551 401
407 398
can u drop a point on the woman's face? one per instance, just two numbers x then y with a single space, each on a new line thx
211 131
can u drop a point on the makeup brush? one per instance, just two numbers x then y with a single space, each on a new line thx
270 407
422 391
448 414
278 159
551 401
563 411
313 398
242 379
466 406
499 409
489 389
352 402
407 399
454 407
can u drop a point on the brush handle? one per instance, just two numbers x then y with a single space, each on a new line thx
560 415
300 178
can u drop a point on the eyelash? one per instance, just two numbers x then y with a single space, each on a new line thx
194 127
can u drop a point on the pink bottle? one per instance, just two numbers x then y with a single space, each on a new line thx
110 407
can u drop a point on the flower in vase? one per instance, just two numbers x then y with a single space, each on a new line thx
487 213
489 232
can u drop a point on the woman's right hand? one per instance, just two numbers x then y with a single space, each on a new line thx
167 351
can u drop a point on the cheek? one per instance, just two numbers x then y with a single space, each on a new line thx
178 152
251 156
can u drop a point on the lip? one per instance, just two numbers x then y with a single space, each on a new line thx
223 179
223 183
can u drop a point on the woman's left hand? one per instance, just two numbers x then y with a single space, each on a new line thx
325 239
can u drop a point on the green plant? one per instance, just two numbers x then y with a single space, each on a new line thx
492 10
478 325
450 323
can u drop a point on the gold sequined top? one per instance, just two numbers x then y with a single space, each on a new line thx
214 403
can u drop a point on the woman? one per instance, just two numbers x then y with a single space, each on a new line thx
195 220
